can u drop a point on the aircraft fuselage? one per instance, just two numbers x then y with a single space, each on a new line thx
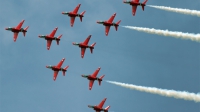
16 30
89 77
95 108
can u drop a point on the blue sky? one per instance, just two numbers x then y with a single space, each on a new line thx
126 56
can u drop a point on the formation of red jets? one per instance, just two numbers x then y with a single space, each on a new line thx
83 45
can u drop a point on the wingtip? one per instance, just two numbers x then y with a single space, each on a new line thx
89 36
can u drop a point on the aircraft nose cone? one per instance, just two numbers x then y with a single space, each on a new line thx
63 12
6 28
46 66
73 43
97 21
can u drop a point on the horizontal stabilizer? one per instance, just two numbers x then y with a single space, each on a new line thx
92 47
82 15
142 7
106 109
25 30
59 36
64 70
58 39
100 79
145 2
117 24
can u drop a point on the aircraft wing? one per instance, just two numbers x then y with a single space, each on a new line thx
15 36
91 84
82 52
134 8
107 30
55 75
20 25
53 32
87 40
96 72
72 19
102 103
112 18
76 9
136 0
60 63
49 44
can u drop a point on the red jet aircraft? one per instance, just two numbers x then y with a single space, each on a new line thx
109 23
134 4
58 68
93 77
84 45
99 107
73 14
18 29
51 37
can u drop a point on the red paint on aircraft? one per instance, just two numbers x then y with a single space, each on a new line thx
99 108
109 23
73 14
93 77
57 68
84 45
18 29
51 37
134 4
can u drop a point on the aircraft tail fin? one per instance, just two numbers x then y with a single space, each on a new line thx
82 15
58 39
92 47
117 24
64 70
25 30
143 4
106 109
100 79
